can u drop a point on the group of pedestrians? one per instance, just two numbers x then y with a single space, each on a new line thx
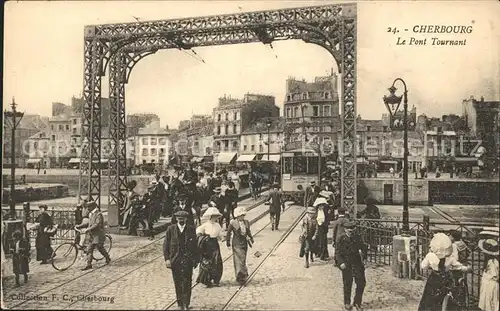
185 247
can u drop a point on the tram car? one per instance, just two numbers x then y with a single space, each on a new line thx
299 168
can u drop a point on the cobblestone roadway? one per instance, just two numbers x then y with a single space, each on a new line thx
283 283
44 279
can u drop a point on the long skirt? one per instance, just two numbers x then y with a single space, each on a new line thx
211 263
436 288
240 263
43 249
322 243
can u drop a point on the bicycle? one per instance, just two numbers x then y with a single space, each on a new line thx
65 255
452 299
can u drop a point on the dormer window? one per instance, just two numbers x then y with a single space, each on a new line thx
304 95
327 95
289 97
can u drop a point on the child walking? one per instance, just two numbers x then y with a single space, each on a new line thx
20 256
309 235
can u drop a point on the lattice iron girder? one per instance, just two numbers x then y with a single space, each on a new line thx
348 50
90 174
184 26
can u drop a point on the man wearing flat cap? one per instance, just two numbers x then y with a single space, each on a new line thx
180 252
276 204
349 256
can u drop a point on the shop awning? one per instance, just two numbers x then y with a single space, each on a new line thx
388 162
225 157
197 160
465 159
74 160
32 161
246 158
272 158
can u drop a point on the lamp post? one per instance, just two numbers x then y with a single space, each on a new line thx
13 117
268 124
392 102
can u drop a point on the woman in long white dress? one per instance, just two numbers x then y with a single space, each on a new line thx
209 234
489 292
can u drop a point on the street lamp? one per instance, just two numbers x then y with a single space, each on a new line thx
392 102
268 124
13 118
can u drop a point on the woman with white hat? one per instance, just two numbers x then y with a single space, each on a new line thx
439 259
489 292
242 238
209 234
323 219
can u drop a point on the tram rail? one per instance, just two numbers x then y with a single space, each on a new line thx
121 258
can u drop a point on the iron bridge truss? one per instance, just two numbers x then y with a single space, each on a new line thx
121 46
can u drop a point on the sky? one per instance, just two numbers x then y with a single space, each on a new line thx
43 57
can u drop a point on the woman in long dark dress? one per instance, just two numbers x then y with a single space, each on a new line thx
323 219
42 243
209 234
440 281
242 238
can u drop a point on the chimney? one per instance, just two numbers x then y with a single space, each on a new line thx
482 99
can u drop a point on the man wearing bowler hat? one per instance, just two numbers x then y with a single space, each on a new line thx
181 256
349 256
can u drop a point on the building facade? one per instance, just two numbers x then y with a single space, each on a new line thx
262 139
152 145
312 109
233 116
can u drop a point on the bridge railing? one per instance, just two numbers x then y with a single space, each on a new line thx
378 234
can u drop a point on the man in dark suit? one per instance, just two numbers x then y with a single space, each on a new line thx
276 203
311 193
349 255
180 252
96 234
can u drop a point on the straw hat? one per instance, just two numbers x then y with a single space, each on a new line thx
489 246
490 232
311 210
240 211
441 245
319 201
212 211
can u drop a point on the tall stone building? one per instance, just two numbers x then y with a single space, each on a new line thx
312 110
233 116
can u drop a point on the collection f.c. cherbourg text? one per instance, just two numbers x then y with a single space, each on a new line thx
423 31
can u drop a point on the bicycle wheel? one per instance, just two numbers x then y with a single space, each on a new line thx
446 301
64 256
107 246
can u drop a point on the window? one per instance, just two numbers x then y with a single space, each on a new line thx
61 127
67 127
295 112
299 165
287 165
235 116
316 111
252 148
144 141
312 165
53 150
218 130
227 116
74 131
153 151
327 95
145 152
261 148
326 111
368 128
328 129
304 95
74 121
53 137
226 129
288 113
235 145
235 129
162 152
52 127
245 148
163 141
218 117
153 141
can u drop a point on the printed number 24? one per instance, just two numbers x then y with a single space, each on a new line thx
393 30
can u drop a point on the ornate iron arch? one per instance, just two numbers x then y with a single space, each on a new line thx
121 46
